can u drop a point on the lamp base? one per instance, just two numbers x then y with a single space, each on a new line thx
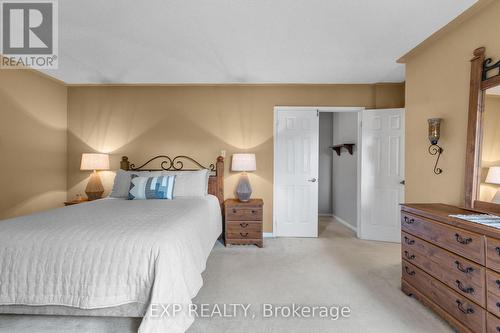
94 189
244 190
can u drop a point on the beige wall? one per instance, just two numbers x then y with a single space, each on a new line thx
490 149
200 121
437 85
33 124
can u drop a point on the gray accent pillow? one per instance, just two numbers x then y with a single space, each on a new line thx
143 188
121 184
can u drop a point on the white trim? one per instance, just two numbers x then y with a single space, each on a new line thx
358 173
318 108
326 215
345 223
359 110
267 235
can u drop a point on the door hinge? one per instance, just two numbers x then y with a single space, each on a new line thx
317 113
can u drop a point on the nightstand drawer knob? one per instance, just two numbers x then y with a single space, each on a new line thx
234 211
244 225
244 234
254 211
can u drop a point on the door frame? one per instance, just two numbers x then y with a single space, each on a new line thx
318 109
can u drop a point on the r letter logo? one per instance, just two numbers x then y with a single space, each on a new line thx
29 34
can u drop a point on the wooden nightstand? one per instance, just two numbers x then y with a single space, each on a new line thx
75 202
243 222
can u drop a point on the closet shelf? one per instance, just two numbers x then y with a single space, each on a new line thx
348 146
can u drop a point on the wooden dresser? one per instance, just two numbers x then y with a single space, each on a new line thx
243 222
452 265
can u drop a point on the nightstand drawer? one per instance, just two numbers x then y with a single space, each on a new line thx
244 230
244 214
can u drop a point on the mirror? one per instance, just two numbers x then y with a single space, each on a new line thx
482 155
489 162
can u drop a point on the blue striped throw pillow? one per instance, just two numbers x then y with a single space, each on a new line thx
160 187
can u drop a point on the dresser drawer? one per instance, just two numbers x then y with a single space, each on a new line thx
468 313
493 304
493 253
244 214
463 276
493 295
244 230
493 324
467 244
493 283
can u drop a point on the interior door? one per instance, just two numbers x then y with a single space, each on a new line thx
382 174
296 206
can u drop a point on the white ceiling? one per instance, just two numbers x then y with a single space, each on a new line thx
243 41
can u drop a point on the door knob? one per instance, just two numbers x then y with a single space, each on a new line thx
312 180
402 182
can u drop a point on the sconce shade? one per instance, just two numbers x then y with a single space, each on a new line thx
434 130
493 176
95 162
243 162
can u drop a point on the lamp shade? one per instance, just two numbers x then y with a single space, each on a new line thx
493 176
243 162
434 130
95 162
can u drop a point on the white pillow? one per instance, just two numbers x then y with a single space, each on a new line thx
190 183
121 185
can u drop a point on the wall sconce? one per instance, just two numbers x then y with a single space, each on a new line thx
434 134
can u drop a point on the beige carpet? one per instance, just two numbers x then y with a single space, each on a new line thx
336 269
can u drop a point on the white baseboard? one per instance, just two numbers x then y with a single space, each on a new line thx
326 215
345 223
268 235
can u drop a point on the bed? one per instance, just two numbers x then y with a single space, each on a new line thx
114 257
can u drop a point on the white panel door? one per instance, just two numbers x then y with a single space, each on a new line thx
296 206
382 174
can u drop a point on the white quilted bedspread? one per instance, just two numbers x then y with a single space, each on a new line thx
111 252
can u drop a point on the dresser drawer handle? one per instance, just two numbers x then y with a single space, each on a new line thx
462 240
464 270
409 241
407 270
498 283
461 308
408 256
498 328
409 220
498 305
244 234
498 250
254 211
244 225
235 211
468 290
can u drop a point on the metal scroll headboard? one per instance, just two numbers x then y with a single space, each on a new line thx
166 164
215 180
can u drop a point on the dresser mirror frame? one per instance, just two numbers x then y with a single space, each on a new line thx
485 74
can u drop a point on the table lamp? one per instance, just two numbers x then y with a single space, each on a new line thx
243 163
94 163
493 177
